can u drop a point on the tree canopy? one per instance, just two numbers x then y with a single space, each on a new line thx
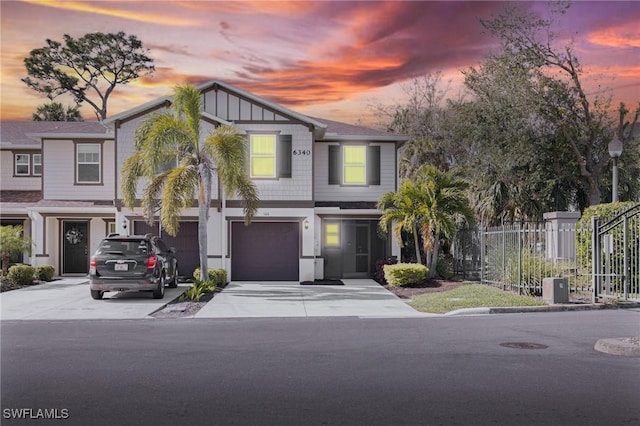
88 68
55 111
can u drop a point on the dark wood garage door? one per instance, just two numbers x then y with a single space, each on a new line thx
185 243
265 251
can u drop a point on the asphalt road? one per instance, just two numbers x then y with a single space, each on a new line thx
315 371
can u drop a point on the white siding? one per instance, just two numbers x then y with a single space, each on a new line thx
9 182
299 186
59 170
326 192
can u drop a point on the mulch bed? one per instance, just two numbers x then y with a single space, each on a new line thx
427 286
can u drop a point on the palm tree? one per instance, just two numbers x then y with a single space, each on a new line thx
429 206
446 206
176 159
404 210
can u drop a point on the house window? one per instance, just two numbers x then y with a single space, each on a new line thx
37 164
354 165
88 163
22 165
111 228
263 156
332 234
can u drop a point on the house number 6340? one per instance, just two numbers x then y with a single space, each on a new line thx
301 152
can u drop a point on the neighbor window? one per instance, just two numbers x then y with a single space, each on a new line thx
354 165
332 234
263 156
22 164
37 164
88 163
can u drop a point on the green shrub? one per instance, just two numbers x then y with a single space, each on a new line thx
444 267
217 276
45 272
195 293
402 274
21 274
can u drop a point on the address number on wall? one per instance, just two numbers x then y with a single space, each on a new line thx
301 152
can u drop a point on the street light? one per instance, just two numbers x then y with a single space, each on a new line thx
615 150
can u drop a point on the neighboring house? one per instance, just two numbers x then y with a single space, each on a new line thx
318 182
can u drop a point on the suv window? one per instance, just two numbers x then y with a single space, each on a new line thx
124 246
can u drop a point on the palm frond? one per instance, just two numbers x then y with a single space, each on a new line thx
188 105
177 193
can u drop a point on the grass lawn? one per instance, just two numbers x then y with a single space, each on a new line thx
470 296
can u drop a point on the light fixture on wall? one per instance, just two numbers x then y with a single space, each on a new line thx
124 225
306 224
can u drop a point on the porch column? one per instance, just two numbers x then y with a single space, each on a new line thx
561 235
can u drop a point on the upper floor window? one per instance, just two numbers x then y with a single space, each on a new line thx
88 163
37 164
22 164
357 165
263 156
354 165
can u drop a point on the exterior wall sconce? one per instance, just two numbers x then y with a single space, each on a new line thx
124 225
306 224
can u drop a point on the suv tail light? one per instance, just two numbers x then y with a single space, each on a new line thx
93 265
151 261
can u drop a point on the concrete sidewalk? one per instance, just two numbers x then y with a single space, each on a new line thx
69 299
357 298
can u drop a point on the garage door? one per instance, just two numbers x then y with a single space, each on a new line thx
265 251
185 243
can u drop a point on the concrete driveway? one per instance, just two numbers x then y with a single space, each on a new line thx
69 299
357 298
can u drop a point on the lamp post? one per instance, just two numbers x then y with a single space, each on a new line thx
615 150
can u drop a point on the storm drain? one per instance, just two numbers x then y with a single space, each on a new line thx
523 345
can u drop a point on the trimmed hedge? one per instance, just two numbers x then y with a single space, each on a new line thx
403 274
45 273
21 275
217 276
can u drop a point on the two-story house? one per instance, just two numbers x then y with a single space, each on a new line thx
318 182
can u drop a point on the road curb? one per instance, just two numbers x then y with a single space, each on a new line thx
548 308
623 346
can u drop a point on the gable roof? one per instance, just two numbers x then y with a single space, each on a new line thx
27 134
338 131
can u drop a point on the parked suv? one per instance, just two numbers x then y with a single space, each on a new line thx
133 263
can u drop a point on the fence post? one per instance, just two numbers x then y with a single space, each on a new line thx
625 261
482 252
595 256
521 232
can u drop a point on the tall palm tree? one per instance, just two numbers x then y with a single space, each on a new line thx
446 206
176 159
404 210
430 206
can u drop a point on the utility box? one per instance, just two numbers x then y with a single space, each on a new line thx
555 290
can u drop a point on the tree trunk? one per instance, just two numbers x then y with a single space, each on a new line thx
202 232
417 245
433 258
595 196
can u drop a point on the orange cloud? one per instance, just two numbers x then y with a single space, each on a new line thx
623 36
91 7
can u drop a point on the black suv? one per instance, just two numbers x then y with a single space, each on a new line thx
133 263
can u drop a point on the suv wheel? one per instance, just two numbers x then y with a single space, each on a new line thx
158 293
174 281
97 294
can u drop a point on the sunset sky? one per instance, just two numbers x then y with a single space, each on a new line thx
328 59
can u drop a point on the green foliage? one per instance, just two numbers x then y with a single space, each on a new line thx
470 296
21 275
194 293
55 111
404 274
217 276
444 267
12 241
93 64
45 272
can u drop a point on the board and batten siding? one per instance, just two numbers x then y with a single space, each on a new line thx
326 192
59 182
9 182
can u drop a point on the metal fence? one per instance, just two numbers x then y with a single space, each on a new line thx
519 256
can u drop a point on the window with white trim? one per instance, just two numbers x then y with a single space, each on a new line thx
354 165
332 234
262 156
37 164
22 164
88 164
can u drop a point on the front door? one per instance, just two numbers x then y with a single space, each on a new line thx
75 247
